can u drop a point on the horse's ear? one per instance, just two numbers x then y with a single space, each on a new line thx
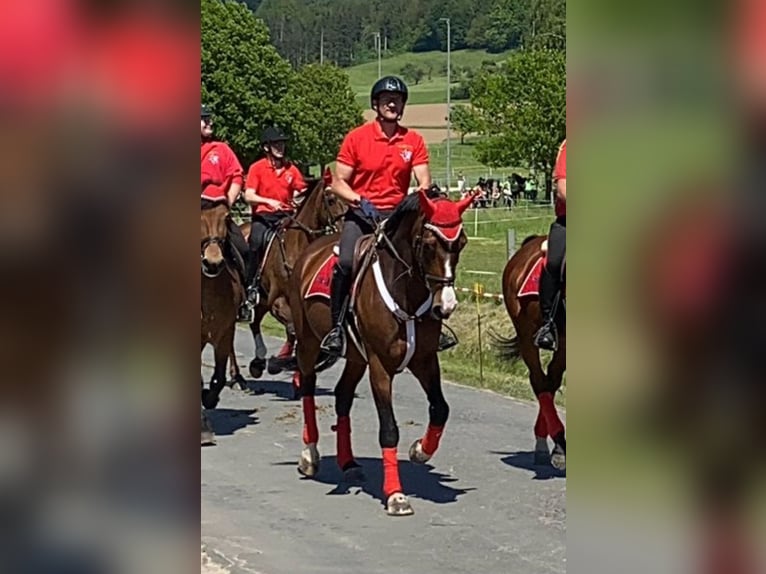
426 205
463 204
327 177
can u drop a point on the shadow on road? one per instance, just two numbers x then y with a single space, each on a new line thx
418 480
525 460
282 390
226 421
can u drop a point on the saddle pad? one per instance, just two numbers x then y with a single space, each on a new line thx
531 285
320 282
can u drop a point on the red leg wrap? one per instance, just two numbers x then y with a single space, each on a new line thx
286 351
541 429
343 441
548 409
431 440
390 472
310 431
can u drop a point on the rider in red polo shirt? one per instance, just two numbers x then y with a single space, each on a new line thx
271 186
372 174
550 279
222 181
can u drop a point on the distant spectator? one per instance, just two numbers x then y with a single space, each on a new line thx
460 182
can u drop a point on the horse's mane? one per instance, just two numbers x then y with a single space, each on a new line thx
410 204
528 239
211 204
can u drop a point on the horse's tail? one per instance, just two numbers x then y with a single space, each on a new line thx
507 347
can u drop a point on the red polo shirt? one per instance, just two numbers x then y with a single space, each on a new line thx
382 166
560 172
279 184
220 168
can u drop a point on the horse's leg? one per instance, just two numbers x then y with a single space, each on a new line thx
397 503
344 398
235 375
284 359
531 357
556 370
308 351
428 373
221 352
258 364
207 436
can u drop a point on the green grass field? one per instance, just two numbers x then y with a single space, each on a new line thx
427 91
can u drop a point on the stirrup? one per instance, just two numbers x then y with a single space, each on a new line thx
246 313
552 331
323 345
447 339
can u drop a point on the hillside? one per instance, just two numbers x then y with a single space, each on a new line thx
427 91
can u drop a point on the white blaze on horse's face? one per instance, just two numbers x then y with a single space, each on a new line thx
448 296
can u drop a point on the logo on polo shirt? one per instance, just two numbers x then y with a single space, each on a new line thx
406 155
213 158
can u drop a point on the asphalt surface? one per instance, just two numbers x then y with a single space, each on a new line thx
480 504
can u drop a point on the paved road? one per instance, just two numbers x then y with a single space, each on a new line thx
480 505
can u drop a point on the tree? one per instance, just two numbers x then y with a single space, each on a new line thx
412 72
321 104
466 121
522 110
243 77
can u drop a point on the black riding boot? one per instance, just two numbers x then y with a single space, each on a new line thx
546 337
334 343
252 288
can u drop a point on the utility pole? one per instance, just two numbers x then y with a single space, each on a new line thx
321 48
449 107
377 46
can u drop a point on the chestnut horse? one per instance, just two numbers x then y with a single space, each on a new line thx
222 293
317 216
412 258
525 315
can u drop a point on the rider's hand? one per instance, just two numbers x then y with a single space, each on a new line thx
368 209
275 204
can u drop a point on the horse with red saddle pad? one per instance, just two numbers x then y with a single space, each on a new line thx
521 281
404 288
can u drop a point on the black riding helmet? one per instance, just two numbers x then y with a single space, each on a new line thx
273 134
388 84
205 113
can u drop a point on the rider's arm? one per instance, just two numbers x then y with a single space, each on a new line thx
234 189
423 176
251 186
234 170
340 183
561 190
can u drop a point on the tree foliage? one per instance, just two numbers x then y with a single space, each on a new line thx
322 108
522 110
343 31
465 120
249 86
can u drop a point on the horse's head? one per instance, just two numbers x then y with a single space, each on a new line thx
322 209
213 238
429 228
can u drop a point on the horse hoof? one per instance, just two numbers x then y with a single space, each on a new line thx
542 458
256 368
240 381
308 465
274 366
209 401
398 505
559 459
208 439
354 474
416 453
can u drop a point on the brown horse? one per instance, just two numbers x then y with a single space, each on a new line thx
318 215
525 314
222 293
403 290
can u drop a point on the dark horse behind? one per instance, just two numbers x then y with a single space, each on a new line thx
318 215
412 258
222 293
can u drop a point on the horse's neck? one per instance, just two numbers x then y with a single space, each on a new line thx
403 285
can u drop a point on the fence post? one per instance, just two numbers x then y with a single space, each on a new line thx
510 242
476 221
478 289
